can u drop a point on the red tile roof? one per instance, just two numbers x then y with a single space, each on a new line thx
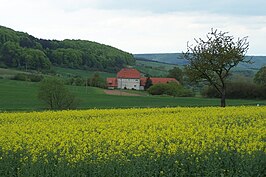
128 73
157 80
143 81
111 82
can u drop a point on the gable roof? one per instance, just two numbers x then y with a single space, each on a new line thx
129 73
157 80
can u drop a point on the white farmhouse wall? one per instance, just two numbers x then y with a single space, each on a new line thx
128 83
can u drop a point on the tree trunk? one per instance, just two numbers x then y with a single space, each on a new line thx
223 98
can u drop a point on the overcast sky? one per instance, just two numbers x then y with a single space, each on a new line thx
138 26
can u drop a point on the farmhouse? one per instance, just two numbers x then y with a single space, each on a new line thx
129 78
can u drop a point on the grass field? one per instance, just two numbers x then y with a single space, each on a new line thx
68 72
154 69
9 73
206 141
22 96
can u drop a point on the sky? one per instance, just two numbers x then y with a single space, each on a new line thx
138 26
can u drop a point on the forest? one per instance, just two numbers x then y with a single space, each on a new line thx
23 51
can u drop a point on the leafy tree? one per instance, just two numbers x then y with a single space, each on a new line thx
212 59
260 77
34 59
55 95
148 83
11 53
97 81
176 73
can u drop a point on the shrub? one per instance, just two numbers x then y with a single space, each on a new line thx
20 77
35 77
76 80
56 96
171 89
28 77
237 90
3 65
97 81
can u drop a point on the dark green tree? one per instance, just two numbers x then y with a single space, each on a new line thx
97 81
212 59
176 73
260 77
11 53
148 83
56 96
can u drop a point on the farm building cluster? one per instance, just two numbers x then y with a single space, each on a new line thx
129 78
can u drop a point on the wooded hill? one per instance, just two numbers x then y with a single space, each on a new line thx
23 51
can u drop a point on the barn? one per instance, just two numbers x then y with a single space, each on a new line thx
130 78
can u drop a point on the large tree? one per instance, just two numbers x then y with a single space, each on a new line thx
213 58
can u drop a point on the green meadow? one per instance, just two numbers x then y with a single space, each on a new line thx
67 72
22 96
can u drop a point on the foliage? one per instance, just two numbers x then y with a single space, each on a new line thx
77 80
148 83
14 55
172 89
213 59
176 73
97 81
28 77
238 90
21 50
55 95
260 77
134 142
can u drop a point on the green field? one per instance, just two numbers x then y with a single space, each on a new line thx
22 96
9 73
67 72
154 69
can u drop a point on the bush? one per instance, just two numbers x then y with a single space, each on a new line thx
171 89
56 96
97 81
28 77
3 65
238 90
20 77
76 80
35 78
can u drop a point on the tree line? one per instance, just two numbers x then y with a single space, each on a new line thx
23 51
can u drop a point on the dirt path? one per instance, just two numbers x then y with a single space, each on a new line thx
118 92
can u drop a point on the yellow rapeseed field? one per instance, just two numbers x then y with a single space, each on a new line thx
100 135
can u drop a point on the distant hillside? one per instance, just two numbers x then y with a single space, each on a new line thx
24 51
176 58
